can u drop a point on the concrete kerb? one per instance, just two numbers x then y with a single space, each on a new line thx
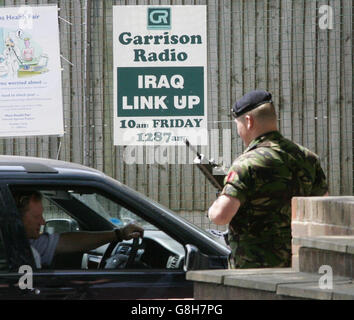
313 291
344 292
342 244
219 276
270 282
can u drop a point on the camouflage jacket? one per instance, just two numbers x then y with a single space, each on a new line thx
264 178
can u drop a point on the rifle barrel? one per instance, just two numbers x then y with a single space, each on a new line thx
192 148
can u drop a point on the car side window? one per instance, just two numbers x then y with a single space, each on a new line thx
86 209
156 251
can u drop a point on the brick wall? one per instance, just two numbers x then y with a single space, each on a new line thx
316 216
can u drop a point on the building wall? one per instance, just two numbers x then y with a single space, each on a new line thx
277 45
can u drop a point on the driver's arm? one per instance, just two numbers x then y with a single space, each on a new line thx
84 241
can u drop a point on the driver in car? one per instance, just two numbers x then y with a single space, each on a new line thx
45 246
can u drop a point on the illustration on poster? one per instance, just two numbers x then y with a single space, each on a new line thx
20 55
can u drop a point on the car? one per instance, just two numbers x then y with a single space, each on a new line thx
78 198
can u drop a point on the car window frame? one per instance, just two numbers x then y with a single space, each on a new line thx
98 189
174 226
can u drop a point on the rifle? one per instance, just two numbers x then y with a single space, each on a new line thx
208 168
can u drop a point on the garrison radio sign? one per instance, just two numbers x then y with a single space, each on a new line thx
160 75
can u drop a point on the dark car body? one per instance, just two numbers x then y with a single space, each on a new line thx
166 252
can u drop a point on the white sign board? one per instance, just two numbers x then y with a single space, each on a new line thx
160 75
30 72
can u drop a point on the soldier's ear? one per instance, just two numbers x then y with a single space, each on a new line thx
249 122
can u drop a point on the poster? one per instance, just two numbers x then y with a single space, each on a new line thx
160 75
30 72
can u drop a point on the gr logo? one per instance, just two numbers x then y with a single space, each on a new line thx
159 18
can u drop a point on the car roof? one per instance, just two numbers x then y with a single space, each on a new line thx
40 165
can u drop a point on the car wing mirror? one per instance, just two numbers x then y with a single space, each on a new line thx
194 259
60 226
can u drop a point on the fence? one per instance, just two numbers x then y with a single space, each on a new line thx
284 46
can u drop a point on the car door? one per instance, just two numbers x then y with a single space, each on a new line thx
95 284
147 283
125 284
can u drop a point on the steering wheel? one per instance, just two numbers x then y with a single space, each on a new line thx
107 254
125 263
132 253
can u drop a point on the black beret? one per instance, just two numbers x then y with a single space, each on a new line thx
250 101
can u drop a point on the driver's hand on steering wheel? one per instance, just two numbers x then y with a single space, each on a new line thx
130 231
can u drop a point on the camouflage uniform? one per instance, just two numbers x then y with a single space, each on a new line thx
264 178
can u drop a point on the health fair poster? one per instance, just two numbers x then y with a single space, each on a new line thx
30 72
160 75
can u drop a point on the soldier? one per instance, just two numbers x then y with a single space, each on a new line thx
256 198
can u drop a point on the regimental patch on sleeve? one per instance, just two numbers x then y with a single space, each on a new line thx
231 176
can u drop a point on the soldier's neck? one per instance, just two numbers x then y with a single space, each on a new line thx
257 132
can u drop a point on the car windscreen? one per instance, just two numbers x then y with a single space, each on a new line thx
210 233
